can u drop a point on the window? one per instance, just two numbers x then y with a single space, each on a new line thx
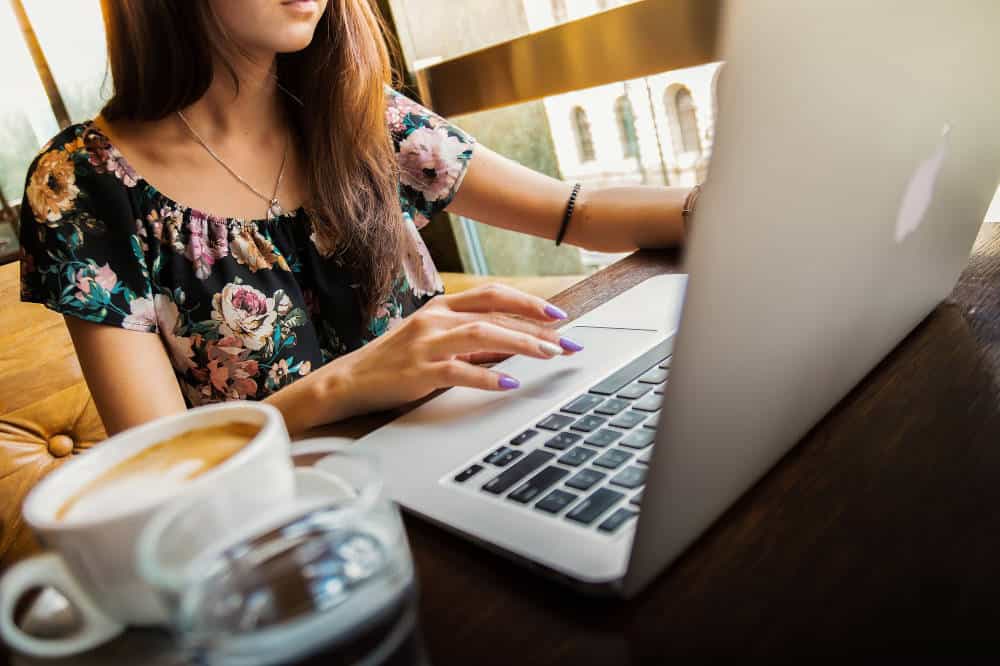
71 35
559 11
626 127
26 119
584 139
684 121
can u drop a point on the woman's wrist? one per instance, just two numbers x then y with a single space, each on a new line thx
314 400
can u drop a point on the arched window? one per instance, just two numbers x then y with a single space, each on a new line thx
559 10
626 127
684 120
584 139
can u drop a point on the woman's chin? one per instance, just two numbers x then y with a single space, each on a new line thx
295 38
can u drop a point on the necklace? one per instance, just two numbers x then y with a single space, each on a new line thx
273 207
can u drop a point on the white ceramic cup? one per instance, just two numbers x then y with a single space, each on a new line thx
91 560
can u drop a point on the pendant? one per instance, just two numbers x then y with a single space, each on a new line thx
274 210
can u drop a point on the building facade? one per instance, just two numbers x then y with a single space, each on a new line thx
656 130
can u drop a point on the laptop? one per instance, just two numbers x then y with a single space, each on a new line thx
857 150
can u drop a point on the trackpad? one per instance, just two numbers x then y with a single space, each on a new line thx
602 348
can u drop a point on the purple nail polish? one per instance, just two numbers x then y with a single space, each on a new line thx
570 345
507 382
554 312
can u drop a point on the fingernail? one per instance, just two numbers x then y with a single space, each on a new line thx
508 382
570 345
550 349
554 312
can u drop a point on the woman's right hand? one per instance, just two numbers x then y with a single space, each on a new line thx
438 347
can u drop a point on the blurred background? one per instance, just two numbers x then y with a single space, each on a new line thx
517 74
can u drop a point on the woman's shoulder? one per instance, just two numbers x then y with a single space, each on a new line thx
78 164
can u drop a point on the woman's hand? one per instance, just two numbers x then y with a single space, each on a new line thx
436 347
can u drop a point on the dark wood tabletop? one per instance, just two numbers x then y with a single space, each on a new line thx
878 533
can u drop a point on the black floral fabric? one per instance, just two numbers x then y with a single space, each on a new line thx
243 307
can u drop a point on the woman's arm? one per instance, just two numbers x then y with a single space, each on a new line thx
505 194
132 381
128 373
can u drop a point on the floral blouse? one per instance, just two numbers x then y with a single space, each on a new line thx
243 307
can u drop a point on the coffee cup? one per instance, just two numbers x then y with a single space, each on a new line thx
89 516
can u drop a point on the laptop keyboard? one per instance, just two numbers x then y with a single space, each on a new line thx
585 462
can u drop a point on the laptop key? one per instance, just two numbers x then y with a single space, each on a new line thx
635 391
612 458
563 440
522 468
644 457
523 437
537 484
588 423
650 403
639 439
585 479
556 501
637 498
629 419
630 477
665 365
603 437
623 377
503 456
597 503
468 473
655 376
660 389
612 406
652 421
583 404
555 421
577 456
617 519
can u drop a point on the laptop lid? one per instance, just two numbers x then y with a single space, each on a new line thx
857 151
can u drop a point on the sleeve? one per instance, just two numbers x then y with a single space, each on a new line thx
433 156
81 255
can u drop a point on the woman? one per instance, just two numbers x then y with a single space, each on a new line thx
240 222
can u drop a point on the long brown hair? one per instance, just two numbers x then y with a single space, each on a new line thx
161 55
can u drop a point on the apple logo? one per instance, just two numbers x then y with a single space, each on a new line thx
920 190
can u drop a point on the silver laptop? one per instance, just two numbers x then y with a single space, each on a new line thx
857 151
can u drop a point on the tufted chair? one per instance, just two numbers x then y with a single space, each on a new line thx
46 413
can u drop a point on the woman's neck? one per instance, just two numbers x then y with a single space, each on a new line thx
250 110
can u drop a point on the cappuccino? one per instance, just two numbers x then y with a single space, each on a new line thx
159 470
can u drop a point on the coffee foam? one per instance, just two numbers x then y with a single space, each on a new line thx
157 471
111 496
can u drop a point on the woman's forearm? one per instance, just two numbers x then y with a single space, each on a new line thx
505 194
618 219
316 399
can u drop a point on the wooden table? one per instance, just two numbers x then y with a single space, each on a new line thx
879 532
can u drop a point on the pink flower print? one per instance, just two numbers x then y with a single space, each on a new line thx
394 119
229 374
244 313
429 162
105 158
278 373
417 263
206 243
90 275
143 316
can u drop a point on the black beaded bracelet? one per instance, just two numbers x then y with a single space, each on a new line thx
568 214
